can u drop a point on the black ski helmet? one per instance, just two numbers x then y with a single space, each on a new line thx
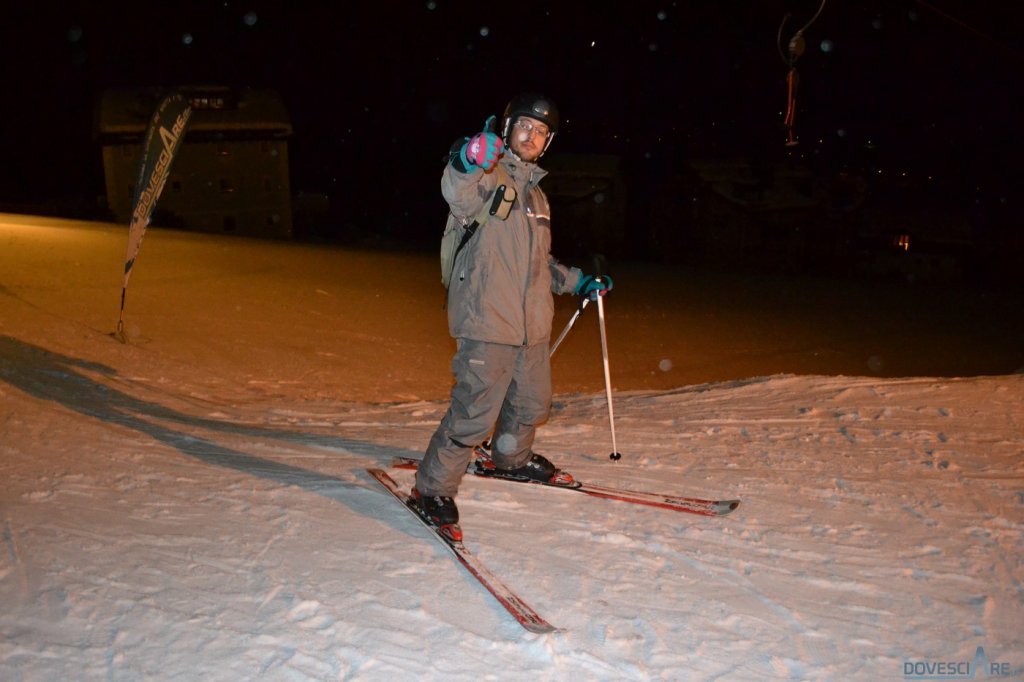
534 105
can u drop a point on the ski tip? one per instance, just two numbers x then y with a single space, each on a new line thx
727 507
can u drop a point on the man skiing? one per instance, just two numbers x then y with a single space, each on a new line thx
500 309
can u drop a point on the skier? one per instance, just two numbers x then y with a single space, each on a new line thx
500 310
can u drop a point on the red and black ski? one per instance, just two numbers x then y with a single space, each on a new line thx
690 505
526 616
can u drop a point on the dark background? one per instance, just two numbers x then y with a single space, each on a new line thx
919 101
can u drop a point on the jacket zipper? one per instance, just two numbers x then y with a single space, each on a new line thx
529 267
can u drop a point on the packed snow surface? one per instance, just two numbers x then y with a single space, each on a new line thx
193 505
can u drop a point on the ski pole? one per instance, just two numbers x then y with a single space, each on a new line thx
615 456
572 321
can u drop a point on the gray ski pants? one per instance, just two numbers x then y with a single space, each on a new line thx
499 388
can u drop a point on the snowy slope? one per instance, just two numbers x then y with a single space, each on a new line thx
194 505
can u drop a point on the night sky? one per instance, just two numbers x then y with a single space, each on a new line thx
930 93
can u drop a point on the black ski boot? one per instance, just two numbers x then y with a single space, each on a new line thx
537 470
439 511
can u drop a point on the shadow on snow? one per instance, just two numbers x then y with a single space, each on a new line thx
61 379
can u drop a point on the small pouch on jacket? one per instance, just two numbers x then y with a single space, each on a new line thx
501 204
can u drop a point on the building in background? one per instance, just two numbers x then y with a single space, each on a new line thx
231 175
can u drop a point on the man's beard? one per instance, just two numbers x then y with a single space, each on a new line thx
525 154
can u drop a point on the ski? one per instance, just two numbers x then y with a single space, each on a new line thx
690 505
526 616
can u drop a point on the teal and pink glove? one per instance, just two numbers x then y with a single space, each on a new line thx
484 148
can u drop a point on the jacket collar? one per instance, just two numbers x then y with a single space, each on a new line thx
522 171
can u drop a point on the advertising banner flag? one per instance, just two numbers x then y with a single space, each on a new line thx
163 138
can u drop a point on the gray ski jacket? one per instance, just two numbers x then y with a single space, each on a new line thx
504 278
